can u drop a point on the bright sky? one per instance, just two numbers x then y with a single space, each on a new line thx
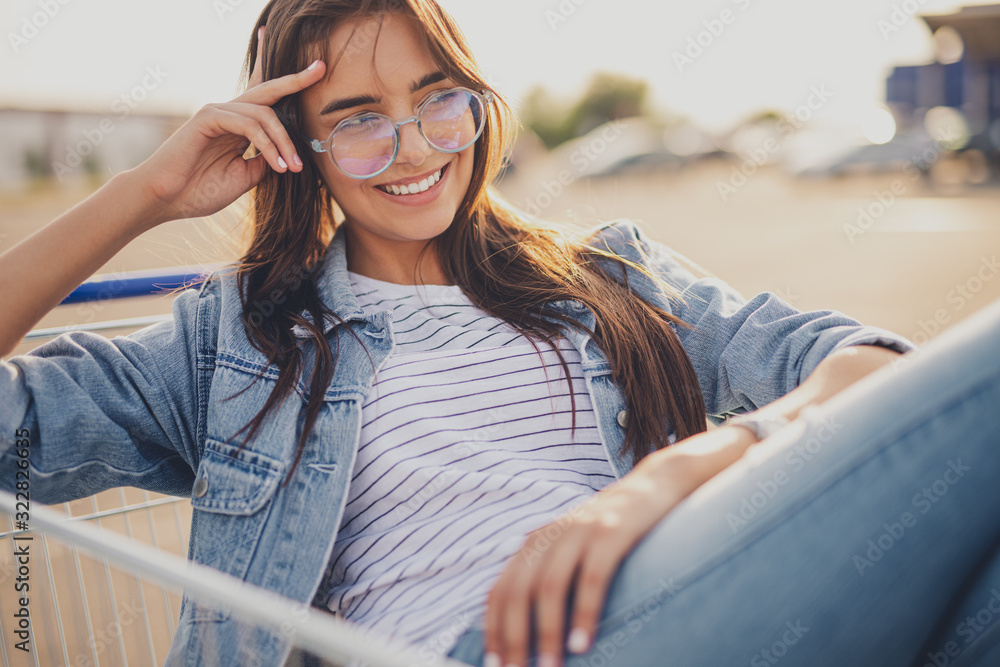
756 54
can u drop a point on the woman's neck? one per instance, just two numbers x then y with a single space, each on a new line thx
393 261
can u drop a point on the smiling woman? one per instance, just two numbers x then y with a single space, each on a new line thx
364 420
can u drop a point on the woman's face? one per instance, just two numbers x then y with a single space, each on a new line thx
401 75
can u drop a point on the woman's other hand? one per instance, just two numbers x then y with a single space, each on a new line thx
590 543
200 169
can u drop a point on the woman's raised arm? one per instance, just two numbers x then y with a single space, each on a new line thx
198 171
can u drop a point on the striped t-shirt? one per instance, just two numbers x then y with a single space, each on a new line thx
465 449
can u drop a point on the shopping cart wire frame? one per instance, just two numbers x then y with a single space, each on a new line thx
316 631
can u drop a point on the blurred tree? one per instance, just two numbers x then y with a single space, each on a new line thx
35 164
608 96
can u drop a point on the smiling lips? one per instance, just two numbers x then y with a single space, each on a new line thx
413 188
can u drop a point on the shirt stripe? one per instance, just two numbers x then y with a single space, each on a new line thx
466 447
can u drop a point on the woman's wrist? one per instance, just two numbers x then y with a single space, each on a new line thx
693 461
142 208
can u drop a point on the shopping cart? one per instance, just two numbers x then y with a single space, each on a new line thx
105 573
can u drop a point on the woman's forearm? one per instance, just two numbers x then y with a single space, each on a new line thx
832 375
44 268
691 462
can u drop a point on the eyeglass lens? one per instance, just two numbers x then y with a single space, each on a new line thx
366 144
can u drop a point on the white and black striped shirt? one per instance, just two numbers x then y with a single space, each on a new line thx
465 448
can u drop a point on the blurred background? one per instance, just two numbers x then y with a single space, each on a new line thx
842 155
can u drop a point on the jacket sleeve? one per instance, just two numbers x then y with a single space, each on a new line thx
745 353
99 413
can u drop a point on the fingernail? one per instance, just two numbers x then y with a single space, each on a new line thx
491 660
578 641
282 163
313 66
546 660
297 160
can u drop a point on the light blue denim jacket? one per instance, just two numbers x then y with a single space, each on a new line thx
147 410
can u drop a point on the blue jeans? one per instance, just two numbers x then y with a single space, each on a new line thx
866 534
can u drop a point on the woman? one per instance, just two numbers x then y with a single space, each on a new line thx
361 424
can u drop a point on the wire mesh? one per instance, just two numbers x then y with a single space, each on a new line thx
99 601
96 596
83 610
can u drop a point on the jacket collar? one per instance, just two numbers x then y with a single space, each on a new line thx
334 287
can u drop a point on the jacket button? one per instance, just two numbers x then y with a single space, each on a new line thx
200 488
623 418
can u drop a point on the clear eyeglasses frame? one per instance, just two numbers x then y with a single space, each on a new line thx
366 144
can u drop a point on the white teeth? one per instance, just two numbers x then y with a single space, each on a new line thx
413 188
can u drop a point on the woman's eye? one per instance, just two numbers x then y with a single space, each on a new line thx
361 122
439 96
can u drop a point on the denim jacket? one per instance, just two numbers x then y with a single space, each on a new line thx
148 410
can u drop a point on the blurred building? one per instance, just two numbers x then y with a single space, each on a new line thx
955 100
68 146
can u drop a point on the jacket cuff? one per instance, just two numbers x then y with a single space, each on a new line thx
868 335
15 401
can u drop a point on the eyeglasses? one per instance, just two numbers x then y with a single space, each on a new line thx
365 145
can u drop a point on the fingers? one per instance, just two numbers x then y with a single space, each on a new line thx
272 138
591 589
552 586
269 92
222 121
537 578
507 598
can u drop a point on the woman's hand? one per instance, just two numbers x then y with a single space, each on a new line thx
200 169
592 541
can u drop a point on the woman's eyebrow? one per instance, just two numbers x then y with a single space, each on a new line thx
347 103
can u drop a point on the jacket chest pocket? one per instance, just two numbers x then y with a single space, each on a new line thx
232 497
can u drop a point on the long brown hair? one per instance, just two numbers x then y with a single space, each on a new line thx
508 264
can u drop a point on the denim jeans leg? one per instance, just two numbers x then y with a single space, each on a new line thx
841 541
844 540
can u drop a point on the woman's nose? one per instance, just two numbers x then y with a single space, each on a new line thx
413 148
